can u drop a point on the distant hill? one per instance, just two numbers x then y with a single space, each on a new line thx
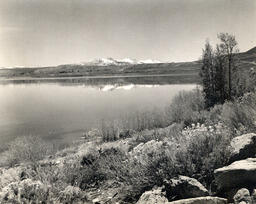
247 59
251 51
125 67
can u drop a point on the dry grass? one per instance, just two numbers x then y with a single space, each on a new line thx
26 149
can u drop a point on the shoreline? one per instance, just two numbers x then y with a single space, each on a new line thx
92 77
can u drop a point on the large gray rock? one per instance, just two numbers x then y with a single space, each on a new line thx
238 174
201 200
243 147
243 195
184 187
155 196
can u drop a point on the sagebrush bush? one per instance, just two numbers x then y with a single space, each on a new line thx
171 132
72 195
203 150
25 191
240 115
186 107
27 149
214 115
136 174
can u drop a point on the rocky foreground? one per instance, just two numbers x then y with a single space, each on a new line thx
234 183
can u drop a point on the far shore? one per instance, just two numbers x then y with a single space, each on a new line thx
93 77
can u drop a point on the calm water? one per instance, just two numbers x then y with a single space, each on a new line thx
65 110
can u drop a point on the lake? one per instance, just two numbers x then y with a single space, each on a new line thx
62 109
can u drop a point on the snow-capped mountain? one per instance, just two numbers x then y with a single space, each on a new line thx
128 60
111 61
125 61
149 61
104 62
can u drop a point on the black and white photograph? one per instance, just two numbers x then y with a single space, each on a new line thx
127 101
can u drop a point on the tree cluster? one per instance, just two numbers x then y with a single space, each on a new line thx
218 71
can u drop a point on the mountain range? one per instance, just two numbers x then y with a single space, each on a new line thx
107 67
119 62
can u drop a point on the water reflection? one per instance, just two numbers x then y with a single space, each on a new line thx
125 87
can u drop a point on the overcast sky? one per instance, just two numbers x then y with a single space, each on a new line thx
52 32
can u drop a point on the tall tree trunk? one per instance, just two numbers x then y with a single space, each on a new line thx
229 78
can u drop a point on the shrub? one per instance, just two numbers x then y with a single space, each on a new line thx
84 174
26 191
53 175
26 149
186 107
203 150
171 132
148 165
214 115
135 173
240 115
71 195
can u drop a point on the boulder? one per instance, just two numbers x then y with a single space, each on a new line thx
152 197
243 147
236 175
242 195
184 187
201 200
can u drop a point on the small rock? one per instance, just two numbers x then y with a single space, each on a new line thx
153 197
23 175
242 195
96 200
